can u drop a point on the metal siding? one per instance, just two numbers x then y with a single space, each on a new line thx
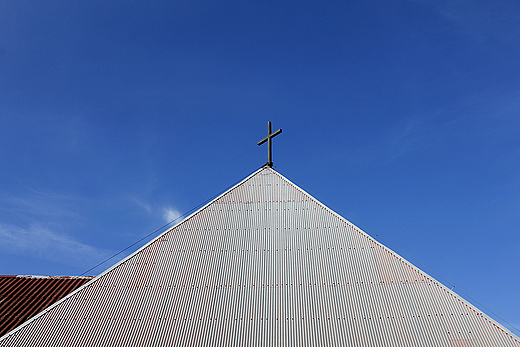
263 264
21 297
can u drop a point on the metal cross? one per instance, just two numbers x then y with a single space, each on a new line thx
268 139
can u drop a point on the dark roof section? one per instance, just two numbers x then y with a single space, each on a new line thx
22 297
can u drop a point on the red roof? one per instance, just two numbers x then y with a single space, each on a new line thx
22 297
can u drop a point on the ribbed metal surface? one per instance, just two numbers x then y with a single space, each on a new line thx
265 264
22 297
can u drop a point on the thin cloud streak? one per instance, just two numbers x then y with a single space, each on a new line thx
480 22
142 204
41 242
37 207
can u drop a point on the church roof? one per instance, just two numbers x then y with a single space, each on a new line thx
264 264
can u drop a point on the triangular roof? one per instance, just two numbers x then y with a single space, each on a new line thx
264 264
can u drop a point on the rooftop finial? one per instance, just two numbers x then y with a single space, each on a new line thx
268 139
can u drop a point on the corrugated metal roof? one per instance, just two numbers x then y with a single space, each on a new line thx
263 264
21 297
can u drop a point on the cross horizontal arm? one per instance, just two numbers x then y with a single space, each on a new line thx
279 131
263 140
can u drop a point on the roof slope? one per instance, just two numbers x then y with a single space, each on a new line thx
21 297
263 264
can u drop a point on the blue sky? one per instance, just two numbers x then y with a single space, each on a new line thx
403 116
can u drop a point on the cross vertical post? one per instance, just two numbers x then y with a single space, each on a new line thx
268 138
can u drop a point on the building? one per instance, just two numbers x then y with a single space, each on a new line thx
263 264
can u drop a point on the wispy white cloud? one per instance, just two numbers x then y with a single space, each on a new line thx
170 214
478 20
40 204
411 136
41 242
487 117
167 213
43 224
142 204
